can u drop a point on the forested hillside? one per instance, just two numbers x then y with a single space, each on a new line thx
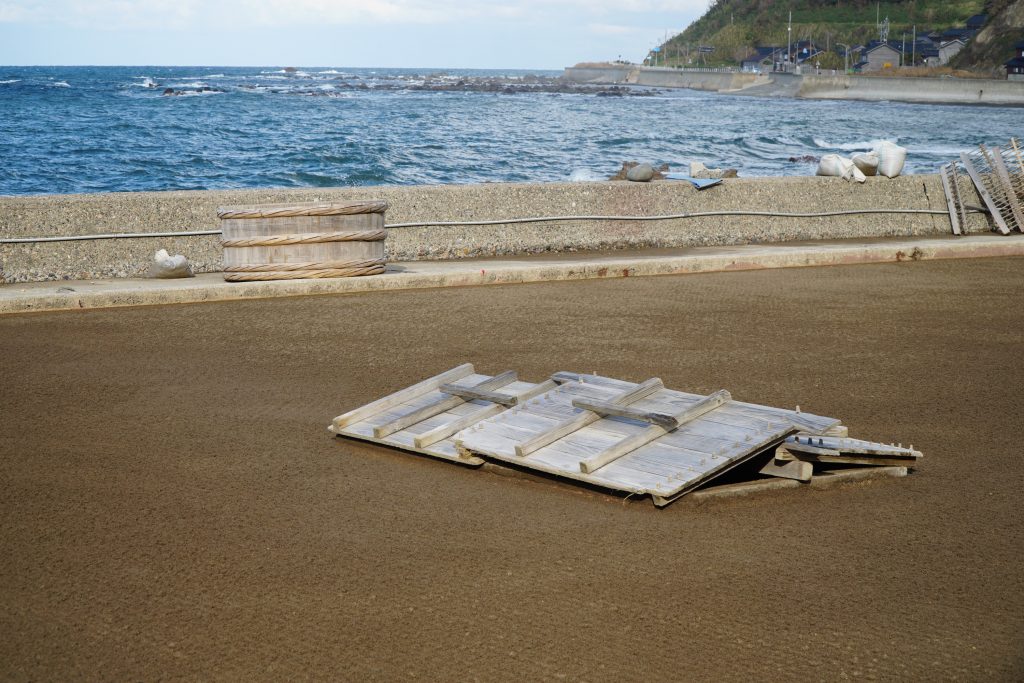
735 27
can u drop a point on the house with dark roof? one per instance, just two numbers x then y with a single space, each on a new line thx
1015 67
977 22
763 58
961 33
805 50
924 51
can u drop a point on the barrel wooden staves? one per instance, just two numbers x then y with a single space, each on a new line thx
293 241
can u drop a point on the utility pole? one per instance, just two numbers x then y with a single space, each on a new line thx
789 40
913 48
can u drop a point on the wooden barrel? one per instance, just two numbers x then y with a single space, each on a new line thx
292 241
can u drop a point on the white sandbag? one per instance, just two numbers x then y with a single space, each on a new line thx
166 266
866 162
839 167
890 159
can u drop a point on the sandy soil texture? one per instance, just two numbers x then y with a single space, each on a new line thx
173 507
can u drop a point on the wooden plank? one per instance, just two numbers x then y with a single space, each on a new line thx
474 394
580 421
837 430
783 453
605 408
789 469
399 397
440 405
809 449
846 445
947 189
983 193
446 430
631 443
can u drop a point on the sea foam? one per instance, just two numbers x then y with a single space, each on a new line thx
850 146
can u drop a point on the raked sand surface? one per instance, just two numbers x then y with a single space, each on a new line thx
174 507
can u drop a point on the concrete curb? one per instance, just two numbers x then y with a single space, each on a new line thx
71 295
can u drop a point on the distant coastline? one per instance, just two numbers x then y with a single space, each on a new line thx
811 86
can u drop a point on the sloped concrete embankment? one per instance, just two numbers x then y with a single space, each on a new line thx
715 81
869 88
150 212
924 90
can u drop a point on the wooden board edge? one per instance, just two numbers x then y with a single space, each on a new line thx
472 461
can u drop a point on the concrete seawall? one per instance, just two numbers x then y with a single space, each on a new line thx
717 81
920 90
63 215
870 88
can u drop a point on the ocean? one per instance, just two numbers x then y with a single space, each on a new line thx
114 129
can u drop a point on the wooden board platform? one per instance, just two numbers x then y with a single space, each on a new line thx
639 438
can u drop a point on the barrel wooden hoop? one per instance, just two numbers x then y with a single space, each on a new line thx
306 238
303 274
346 209
313 265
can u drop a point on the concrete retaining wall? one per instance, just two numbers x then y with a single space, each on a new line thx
51 215
871 88
598 74
925 90
664 78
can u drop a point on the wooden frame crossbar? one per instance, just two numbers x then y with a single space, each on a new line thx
587 417
449 401
631 443
399 397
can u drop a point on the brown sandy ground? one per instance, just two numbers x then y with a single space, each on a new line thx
173 507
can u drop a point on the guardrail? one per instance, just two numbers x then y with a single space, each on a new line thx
695 69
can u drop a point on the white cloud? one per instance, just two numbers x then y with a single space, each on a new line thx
11 12
119 14
616 29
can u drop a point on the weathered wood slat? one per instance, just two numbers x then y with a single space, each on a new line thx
631 443
446 430
783 454
483 390
605 408
584 418
845 445
402 396
809 449
443 403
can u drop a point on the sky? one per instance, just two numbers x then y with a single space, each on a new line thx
526 34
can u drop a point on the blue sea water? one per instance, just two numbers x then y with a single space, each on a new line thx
101 129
